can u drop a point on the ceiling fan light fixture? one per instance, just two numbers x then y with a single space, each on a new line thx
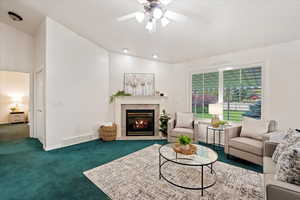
165 21
155 56
140 16
158 13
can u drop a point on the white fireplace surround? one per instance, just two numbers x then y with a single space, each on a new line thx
143 101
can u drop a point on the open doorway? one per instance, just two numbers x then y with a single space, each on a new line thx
14 105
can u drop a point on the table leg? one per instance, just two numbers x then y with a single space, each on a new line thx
214 138
206 135
219 138
202 181
159 166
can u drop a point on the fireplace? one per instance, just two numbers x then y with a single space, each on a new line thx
140 123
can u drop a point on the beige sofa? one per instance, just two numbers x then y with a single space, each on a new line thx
244 147
276 190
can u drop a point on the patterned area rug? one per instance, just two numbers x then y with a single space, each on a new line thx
135 177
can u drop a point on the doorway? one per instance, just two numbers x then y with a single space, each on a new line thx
14 105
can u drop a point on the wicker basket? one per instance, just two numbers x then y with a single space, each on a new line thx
108 133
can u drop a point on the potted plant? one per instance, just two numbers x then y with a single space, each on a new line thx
120 93
184 142
164 118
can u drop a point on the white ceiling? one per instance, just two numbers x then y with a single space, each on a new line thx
214 26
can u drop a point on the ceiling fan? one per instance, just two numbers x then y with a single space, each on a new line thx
154 12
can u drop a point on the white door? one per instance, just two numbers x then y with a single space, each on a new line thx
39 106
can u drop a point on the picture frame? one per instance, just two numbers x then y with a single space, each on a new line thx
139 84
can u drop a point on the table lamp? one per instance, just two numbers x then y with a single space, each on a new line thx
215 110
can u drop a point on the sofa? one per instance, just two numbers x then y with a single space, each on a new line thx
189 128
274 189
246 148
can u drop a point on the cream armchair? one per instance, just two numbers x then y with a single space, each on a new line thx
183 124
245 147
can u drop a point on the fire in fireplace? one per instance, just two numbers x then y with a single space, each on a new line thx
139 122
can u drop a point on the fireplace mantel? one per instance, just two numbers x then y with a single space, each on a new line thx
136 100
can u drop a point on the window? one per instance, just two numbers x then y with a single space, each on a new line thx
242 93
205 91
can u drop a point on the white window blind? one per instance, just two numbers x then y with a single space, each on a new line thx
205 91
242 93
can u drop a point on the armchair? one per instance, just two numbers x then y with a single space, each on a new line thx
183 124
246 148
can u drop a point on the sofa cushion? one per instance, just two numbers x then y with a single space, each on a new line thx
176 132
184 120
254 128
269 166
247 144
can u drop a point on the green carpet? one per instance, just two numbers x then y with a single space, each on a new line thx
28 172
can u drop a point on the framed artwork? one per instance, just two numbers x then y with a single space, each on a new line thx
139 84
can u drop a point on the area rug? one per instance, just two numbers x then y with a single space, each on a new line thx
135 177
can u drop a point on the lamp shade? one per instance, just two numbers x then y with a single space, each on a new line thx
215 109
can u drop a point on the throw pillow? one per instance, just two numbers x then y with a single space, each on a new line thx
293 137
288 140
254 128
184 120
286 168
281 147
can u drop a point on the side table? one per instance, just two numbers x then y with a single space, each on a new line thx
17 117
218 130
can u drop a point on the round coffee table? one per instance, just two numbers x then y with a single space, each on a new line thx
204 157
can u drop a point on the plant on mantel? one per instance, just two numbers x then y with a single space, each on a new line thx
120 93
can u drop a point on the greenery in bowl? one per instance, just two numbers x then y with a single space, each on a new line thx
222 123
184 140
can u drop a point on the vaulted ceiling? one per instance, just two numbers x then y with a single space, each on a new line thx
213 26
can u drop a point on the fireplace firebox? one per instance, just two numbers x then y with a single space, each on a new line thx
140 123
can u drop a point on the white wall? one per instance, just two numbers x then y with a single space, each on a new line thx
40 46
14 88
77 87
164 75
16 49
281 77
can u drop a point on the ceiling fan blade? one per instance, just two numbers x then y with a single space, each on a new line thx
127 17
166 2
175 16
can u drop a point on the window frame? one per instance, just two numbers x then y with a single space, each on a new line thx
221 69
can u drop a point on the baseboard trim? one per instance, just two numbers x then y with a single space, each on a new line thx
52 147
72 141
